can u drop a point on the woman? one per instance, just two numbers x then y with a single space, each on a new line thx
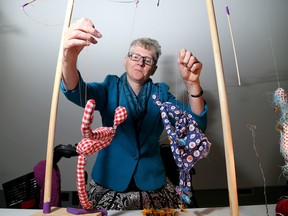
129 173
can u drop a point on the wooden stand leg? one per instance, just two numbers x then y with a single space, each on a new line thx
226 127
53 115
63 212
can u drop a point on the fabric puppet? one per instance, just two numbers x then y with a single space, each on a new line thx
188 144
281 104
39 173
39 169
93 141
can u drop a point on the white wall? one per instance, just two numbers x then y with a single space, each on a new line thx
29 52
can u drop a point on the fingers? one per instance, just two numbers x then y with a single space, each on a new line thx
82 33
86 26
188 61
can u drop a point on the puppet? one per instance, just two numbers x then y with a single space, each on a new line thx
93 141
281 104
188 143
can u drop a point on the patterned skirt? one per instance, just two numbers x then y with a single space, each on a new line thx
103 198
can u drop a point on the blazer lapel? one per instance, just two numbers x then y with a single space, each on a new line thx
128 129
150 119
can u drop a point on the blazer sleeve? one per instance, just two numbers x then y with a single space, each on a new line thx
85 91
166 96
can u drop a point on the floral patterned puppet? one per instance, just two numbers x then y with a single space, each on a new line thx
93 141
187 142
281 104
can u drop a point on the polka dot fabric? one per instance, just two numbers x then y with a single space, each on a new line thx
188 144
93 141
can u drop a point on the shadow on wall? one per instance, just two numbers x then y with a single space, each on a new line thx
7 29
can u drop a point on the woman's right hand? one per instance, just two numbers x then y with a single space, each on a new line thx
80 34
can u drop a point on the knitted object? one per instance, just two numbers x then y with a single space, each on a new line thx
93 141
281 104
187 142
39 173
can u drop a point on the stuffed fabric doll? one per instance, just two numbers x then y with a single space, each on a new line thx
281 104
188 144
93 141
39 173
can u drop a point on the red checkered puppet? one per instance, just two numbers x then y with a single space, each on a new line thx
93 141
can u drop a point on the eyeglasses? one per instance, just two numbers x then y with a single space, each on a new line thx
136 57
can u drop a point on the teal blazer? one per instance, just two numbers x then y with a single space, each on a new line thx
125 158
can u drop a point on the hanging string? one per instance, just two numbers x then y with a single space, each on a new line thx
23 6
252 128
133 21
132 1
233 44
158 3
274 60
121 92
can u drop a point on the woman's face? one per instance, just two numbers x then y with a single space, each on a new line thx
139 71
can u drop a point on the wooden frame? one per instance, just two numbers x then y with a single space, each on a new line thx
226 126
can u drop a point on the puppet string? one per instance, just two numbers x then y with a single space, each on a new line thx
121 93
132 1
36 20
252 128
27 3
42 23
274 60
133 22
233 44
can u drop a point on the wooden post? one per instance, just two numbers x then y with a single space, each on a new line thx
53 115
226 127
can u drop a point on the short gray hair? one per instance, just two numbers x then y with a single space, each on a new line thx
148 44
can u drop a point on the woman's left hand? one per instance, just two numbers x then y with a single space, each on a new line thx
189 66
